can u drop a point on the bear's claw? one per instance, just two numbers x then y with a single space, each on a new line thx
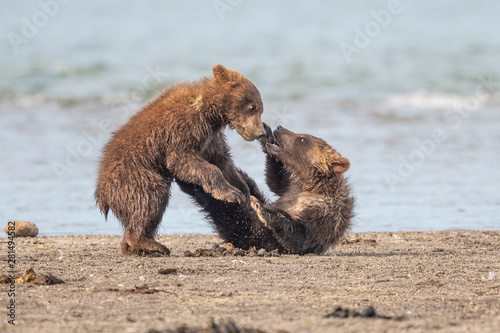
257 207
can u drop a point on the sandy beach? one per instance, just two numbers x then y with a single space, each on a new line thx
416 281
407 91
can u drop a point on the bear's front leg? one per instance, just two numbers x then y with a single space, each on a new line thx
232 175
252 187
277 178
266 138
193 169
291 234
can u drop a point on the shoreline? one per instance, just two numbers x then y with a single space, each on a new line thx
416 282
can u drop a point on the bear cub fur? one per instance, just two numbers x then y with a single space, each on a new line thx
178 136
315 206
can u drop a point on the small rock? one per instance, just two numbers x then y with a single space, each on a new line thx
22 228
47 279
261 253
220 251
341 312
239 252
167 271
204 253
368 312
274 253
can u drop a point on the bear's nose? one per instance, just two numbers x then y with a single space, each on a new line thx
280 128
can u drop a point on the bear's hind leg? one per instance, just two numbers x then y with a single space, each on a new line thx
148 207
133 245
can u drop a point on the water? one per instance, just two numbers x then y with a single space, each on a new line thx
416 108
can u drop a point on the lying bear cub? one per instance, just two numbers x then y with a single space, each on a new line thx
314 208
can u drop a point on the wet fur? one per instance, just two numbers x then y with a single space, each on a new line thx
177 136
314 209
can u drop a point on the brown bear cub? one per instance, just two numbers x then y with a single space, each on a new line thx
315 205
179 135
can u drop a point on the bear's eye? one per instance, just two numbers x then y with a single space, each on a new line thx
302 140
252 107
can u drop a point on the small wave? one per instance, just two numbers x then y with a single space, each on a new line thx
424 101
113 100
25 100
422 105
64 70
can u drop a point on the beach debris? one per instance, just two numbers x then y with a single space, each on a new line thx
252 252
222 326
238 252
491 276
341 312
144 289
29 276
356 240
181 271
219 279
367 312
205 253
168 271
273 253
21 229
230 250
47 279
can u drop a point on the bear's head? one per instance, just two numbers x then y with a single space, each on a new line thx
304 153
241 103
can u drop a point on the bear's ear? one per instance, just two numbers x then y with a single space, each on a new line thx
332 162
340 164
221 73
226 76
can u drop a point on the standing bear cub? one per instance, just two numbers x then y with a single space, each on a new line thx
179 135
315 206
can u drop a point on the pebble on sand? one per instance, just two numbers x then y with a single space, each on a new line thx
22 228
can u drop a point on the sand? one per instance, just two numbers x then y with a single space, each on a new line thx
416 281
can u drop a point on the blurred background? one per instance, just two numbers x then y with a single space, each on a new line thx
409 91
